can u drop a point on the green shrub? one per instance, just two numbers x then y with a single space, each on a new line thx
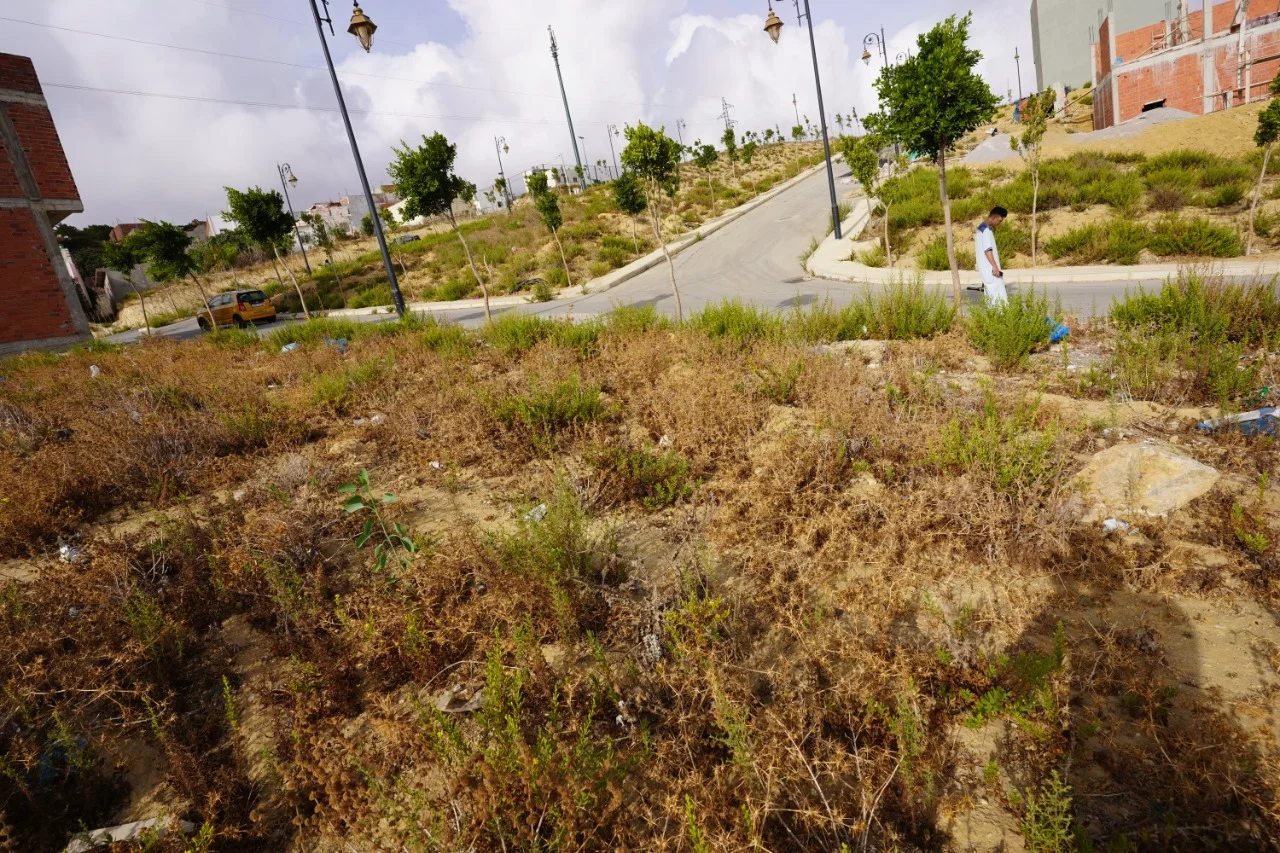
542 291
315 331
1225 172
737 321
822 322
595 269
454 289
578 335
1012 452
632 319
1212 310
1009 331
1223 195
613 257
1168 197
905 309
1013 240
1184 160
873 257
1197 236
233 339
656 479
373 296
1083 245
1125 240
513 333
934 255
1171 177
556 277
445 338
544 411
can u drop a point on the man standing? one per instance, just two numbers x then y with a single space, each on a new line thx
988 257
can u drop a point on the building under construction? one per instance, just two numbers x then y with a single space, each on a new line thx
1213 58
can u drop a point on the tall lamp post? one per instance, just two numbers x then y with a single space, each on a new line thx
877 40
773 26
284 169
680 127
584 154
555 55
362 28
500 145
1017 61
611 131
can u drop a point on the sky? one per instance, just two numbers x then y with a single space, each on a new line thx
471 69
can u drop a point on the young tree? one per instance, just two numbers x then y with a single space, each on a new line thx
731 150
500 187
366 225
629 196
749 151
932 100
391 225
261 216
164 246
429 187
704 157
548 207
123 257
655 159
797 133
768 135
1035 122
862 156
1265 137
839 119
324 239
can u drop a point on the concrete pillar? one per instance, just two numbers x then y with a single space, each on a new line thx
1209 73
1115 82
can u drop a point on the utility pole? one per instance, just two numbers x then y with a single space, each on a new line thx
680 126
611 131
500 142
796 105
1017 63
573 137
725 106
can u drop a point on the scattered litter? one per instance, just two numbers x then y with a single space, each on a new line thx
423 433
439 466
67 553
271 386
144 831
359 422
74 612
239 495
340 344
293 347
377 420
651 649
665 441
1057 332
450 703
538 513
136 417
1257 422
626 718
1111 525
94 371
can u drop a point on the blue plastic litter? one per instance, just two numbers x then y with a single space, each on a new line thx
1257 422
1057 332
340 344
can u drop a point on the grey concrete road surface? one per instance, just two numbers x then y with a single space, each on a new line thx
755 259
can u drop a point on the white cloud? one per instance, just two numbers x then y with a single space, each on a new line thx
655 61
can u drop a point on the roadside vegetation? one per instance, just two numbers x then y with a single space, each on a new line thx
818 579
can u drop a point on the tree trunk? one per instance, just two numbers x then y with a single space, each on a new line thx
655 219
634 238
204 297
277 270
1035 202
946 221
305 312
484 288
172 302
712 183
888 252
567 276
143 302
1253 208
488 272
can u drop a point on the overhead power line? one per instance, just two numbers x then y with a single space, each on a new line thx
304 66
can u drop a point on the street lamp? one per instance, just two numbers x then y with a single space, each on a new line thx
362 28
901 57
680 128
584 157
1018 63
500 145
822 116
878 41
286 183
611 131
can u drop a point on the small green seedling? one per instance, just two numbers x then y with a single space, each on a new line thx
395 538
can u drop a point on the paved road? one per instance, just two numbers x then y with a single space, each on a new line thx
755 259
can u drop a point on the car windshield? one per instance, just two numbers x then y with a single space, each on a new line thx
253 297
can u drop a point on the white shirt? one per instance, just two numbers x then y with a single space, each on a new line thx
983 239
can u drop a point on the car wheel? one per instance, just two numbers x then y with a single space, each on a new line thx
240 323
204 324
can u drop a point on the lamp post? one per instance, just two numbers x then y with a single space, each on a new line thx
1017 61
611 131
583 139
555 55
877 40
500 145
680 126
285 170
363 29
773 26
901 57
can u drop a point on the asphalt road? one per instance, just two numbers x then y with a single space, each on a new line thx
755 259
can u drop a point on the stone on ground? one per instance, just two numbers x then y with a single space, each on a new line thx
1144 479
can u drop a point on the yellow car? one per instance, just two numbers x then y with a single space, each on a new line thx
240 308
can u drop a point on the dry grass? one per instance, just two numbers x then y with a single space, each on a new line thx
700 619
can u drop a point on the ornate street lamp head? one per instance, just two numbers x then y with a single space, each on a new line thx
293 180
362 28
773 26
866 56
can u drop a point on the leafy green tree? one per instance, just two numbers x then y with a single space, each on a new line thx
324 239
164 247
654 157
768 135
797 133
391 225
1265 137
366 225
749 151
704 157
628 195
500 187
931 101
547 204
429 187
731 150
862 156
122 257
840 123
261 216
84 245
1028 144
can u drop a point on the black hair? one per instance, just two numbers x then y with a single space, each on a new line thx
999 211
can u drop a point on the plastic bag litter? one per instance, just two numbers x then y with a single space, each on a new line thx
293 347
1257 422
94 371
665 441
1111 525
439 466
68 553
377 420
1057 331
340 344
538 513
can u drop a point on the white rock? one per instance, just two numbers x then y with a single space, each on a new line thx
1148 479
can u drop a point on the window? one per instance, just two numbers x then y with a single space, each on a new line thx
253 297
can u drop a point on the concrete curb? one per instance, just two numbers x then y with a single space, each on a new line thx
831 261
605 282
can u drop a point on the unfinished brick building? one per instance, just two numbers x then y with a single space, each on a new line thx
1173 64
39 306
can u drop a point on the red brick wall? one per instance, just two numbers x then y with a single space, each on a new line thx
44 151
1102 105
34 304
9 186
1133 44
1104 48
1177 80
18 73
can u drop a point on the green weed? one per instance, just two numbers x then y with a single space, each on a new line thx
1009 331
